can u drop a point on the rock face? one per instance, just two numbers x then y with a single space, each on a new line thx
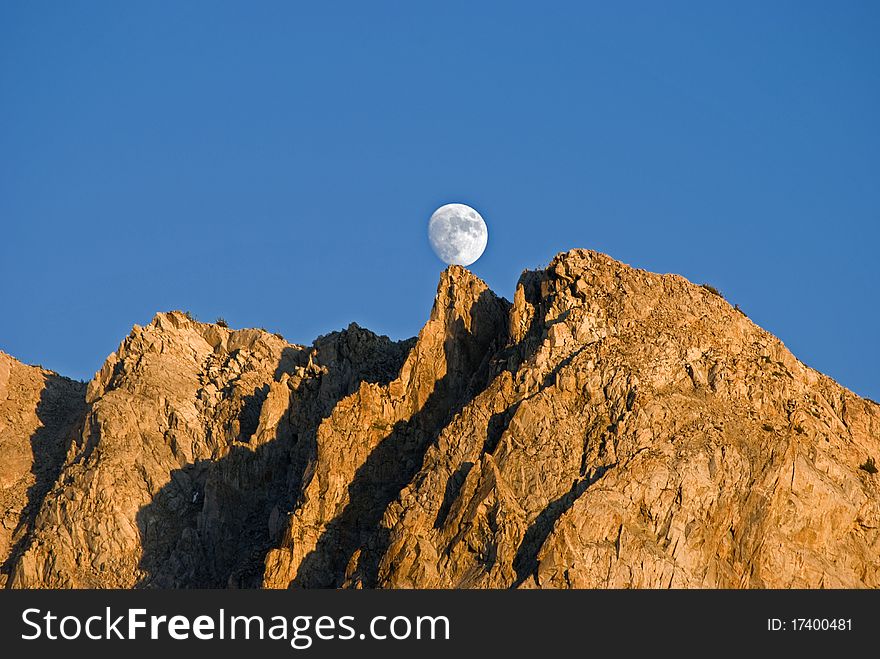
40 412
609 428
188 457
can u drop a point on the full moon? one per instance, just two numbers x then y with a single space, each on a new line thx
458 234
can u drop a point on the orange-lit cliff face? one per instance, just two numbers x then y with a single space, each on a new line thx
608 428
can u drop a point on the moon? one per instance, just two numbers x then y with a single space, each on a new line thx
458 234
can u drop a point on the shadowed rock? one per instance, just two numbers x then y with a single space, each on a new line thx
39 415
610 427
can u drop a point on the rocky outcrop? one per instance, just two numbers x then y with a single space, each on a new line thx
642 433
608 428
40 412
374 441
188 454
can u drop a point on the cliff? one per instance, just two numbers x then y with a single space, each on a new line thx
609 428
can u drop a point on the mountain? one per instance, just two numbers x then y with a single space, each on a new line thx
610 427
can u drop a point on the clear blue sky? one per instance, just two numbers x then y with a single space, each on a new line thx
275 163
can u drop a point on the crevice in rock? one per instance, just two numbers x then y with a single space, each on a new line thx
451 491
525 563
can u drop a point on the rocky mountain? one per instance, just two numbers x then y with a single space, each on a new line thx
608 428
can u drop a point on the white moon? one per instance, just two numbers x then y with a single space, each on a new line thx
458 234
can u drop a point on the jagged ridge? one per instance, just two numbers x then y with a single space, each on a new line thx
610 427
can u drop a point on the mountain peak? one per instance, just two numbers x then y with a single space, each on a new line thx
609 427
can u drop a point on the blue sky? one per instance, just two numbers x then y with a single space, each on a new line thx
276 163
